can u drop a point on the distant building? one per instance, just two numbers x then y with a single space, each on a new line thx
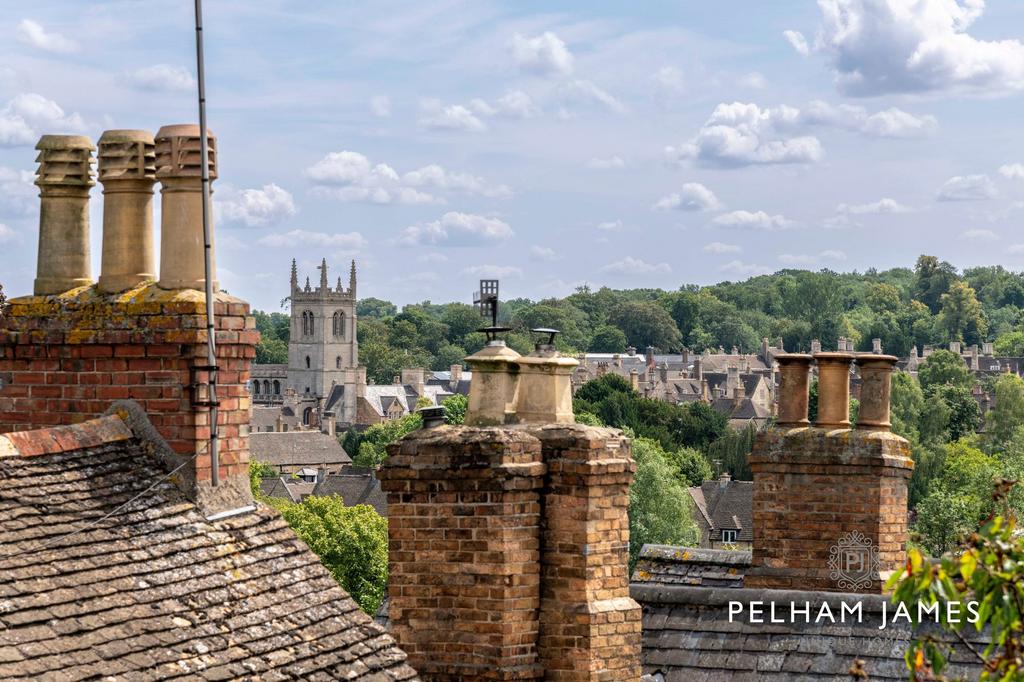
725 514
292 451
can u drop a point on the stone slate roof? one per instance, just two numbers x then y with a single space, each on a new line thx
671 565
293 491
688 637
296 449
108 571
726 506
356 485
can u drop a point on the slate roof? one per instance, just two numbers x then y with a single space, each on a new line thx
356 485
726 506
671 565
296 449
688 637
108 570
293 491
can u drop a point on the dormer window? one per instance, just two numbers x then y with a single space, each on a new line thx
729 535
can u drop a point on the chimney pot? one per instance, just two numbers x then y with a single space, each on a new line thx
65 177
833 390
875 391
794 389
179 170
127 169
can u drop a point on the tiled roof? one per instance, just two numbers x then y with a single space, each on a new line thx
279 487
729 506
356 486
108 571
688 634
298 449
670 565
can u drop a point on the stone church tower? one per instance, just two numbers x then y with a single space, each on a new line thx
323 352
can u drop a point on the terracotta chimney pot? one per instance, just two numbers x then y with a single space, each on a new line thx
833 390
875 391
794 389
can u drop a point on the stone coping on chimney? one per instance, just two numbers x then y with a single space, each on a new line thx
56 439
810 446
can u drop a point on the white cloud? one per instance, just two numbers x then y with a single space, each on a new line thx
1012 171
544 55
757 220
587 91
899 46
18 194
436 116
741 269
32 33
457 229
977 235
27 116
890 123
162 77
967 188
493 271
635 266
610 226
7 235
304 238
721 247
811 259
741 134
432 258
351 177
606 163
668 81
692 197
380 106
840 221
753 80
884 205
797 40
543 253
516 104
436 177
255 207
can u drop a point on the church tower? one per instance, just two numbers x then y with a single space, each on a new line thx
323 352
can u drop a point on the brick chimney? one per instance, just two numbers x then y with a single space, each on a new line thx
509 545
649 356
66 358
830 502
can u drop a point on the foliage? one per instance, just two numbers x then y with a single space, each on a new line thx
352 542
660 509
275 330
962 318
455 408
370 446
730 452
257 472
989 571
1002 421
646 324
964 412
1010 344
944 367
608 339
691 467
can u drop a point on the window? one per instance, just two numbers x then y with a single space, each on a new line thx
730 535
307 367
256 387
339 324
277 387
266 386
307 323
307 416
337 362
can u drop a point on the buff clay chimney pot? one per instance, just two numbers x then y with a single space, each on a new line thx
492 393
127 171
794 389
875 391
178 168
833 390
65 177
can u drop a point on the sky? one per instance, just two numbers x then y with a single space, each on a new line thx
549 144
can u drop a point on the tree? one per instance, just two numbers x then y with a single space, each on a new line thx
455 409
1010 344
944 367
375 308
647 324
962 317
1003 420
352 542
257 472
931 280
659 507
271 352
690 465
608 339
462 320
370 446
907 400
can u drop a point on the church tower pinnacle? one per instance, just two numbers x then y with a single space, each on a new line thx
295 275
352 279
324 286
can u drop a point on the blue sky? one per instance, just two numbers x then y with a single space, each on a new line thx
549 144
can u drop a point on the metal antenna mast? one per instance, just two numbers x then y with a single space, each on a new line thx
211 343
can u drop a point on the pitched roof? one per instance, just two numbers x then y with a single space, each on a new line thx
726 505
107 569
356 485
282 488
298 449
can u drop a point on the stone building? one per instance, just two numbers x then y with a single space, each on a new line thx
725 516
126 550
